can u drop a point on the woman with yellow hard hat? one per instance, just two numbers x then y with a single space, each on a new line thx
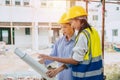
63 47
86 59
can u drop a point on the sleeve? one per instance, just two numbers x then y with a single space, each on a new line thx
68 66
53 53
80 48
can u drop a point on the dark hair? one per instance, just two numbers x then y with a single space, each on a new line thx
84 26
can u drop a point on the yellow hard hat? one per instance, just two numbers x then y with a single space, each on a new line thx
76 11
63 20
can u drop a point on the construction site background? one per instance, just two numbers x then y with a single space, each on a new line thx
13 68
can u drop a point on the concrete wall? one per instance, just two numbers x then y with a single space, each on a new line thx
44 38
16 14
22 40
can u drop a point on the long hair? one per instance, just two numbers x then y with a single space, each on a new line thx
84 26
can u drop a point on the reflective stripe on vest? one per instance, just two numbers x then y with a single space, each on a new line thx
87 74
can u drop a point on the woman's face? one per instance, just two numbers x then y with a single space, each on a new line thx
75 23
66 29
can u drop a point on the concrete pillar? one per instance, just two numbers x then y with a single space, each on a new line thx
35 43
11 30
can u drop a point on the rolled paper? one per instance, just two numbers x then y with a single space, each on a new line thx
40 68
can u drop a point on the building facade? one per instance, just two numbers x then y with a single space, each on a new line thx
30 23
33 23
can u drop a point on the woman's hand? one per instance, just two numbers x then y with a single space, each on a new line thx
52 72
42 61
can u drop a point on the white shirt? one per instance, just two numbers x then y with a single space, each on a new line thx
80 48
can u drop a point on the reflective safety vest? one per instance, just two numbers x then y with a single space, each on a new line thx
91 68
